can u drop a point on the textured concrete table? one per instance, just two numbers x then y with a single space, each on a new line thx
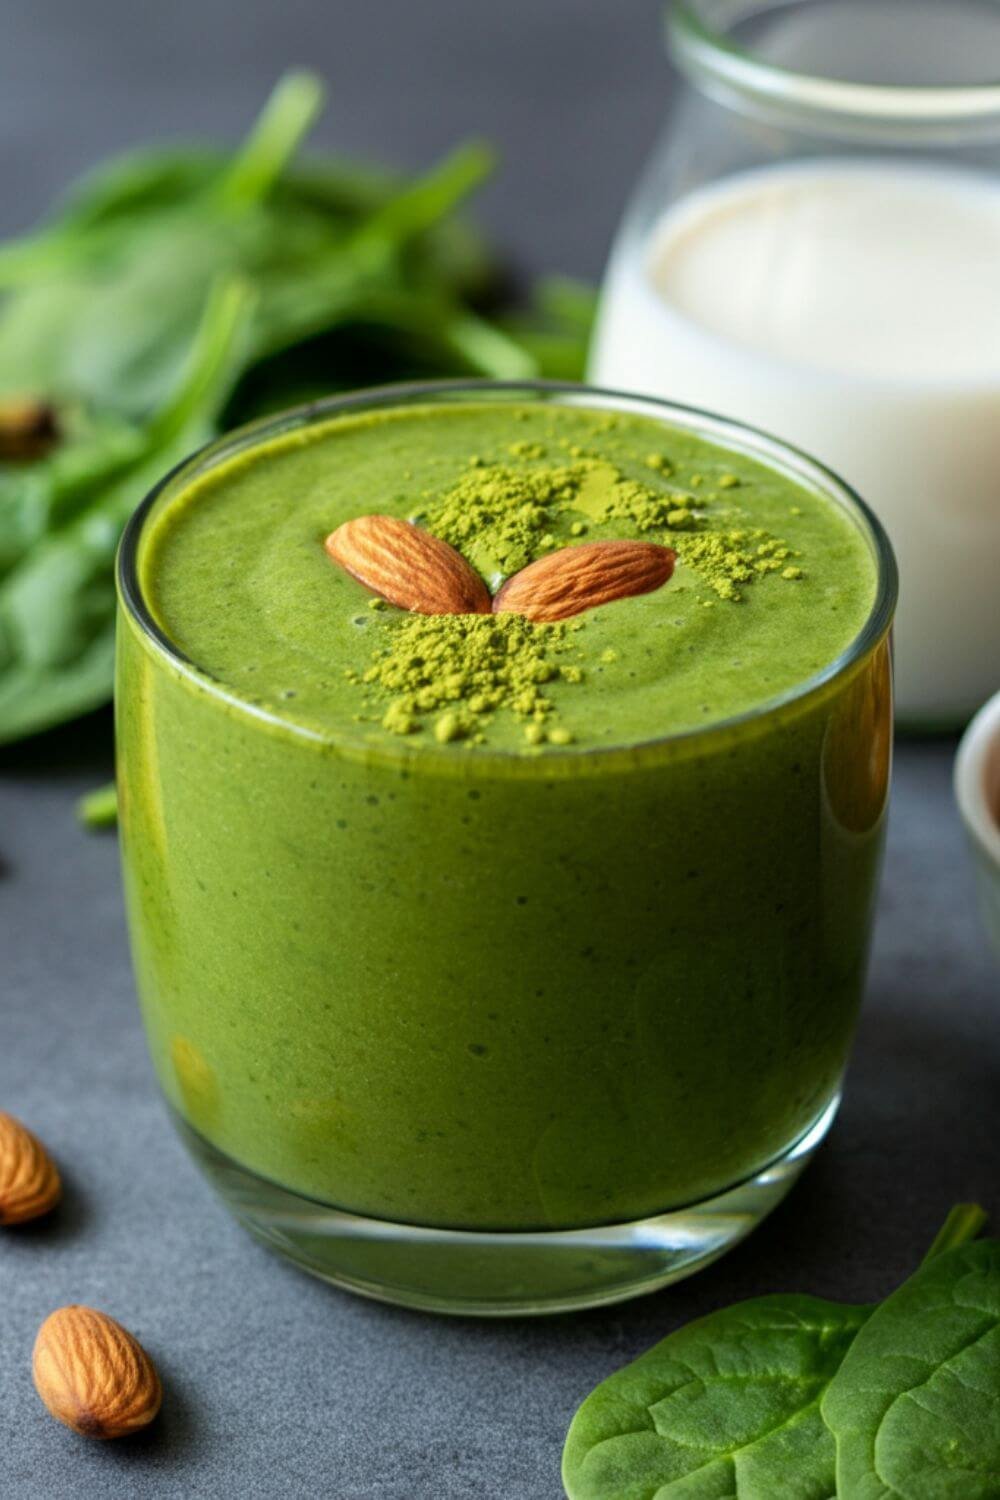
275 1384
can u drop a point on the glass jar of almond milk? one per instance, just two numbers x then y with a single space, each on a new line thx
815 248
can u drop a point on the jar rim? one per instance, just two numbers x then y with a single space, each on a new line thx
700 42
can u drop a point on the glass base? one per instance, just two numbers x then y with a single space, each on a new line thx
508 1273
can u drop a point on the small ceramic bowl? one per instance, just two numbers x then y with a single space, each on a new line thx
977 788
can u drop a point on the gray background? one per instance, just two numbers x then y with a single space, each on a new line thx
276 1385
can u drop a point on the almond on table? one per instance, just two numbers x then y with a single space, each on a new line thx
93 1375
29 1179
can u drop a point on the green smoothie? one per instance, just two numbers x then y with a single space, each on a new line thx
238 578
470 921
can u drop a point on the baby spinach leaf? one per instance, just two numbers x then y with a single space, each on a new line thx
106 201
57 605
95 449
915 1406
732 1407
728 1405
290 111
358 277
115 327
419 205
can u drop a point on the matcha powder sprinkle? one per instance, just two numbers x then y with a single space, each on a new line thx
498 517
454 672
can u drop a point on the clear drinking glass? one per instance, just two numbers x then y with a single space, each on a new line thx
814 248
557 1030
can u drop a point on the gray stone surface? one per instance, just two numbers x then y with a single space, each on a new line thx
275 1384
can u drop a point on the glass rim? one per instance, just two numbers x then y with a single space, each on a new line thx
741 436
701 44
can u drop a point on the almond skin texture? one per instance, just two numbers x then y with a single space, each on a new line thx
29 1179
580 577
93 1375
408 566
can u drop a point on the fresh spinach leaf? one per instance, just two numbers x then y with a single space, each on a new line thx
732 1407
290 111
356 276
115 330
728 1405
915 1406
57 605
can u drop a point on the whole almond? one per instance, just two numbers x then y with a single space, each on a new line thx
582 576
29 1178
408 567
93 1375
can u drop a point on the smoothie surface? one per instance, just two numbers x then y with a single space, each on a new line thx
772 580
